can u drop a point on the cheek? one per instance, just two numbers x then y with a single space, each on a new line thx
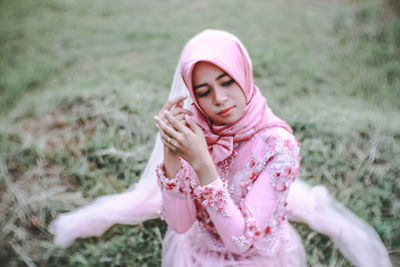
204 104
240 97
244 102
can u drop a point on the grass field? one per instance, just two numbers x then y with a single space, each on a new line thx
79 77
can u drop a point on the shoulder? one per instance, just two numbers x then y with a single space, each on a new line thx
276 152
275 141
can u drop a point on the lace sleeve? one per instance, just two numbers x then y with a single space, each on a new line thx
254 221
272 170
178 208
214 196
178 184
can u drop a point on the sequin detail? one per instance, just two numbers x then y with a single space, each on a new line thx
213 197
226 165
281 156
175 184
274 157
284 167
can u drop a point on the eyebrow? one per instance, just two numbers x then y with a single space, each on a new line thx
222 75
204 84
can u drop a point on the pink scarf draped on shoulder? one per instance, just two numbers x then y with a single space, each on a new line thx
227 52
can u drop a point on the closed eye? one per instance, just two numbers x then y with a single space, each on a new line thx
205 93
228 83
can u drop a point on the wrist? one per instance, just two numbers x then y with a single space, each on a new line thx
206 171
172 163
202 163
170 156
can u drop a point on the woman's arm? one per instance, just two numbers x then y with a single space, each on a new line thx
261 212
172 160
178 207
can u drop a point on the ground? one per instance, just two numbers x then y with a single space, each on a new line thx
80 82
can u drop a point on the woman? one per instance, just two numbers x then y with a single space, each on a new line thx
226 175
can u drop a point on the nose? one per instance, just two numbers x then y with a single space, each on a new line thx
219 96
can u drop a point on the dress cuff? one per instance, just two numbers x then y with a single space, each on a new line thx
213 195
175 184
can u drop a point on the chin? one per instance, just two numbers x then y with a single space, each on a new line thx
227 121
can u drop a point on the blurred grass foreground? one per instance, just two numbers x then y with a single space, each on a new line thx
81 80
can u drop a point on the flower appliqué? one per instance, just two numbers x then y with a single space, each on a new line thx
213 197
175 184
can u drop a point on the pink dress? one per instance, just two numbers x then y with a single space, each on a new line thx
240 218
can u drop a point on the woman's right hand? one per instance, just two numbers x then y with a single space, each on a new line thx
174 107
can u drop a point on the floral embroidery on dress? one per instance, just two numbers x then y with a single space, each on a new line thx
284 168
213 197
252 232
282 158
258 162
226 165
278 156
175 184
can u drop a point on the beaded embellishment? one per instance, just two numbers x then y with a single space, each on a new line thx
213 197
175 184
282 158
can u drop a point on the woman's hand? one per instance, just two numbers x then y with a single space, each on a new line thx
175 107
187 140
172 161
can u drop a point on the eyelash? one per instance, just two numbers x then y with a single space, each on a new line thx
204 94
225 84
231 81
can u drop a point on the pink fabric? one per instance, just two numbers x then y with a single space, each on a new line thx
252 209
227 52
190 250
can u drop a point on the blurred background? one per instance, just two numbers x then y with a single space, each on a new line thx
81 80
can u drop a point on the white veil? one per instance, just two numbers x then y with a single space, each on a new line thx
314 206
141 202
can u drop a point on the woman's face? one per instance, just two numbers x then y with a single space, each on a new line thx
218 95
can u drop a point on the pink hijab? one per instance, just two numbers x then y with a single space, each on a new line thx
228 53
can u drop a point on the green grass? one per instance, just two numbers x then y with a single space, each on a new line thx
80 77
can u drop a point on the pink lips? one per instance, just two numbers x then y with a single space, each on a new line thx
226 112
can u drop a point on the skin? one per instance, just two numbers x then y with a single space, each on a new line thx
221 99
216 91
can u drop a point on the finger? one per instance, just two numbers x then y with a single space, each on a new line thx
164 119
173 102
167 129
179 104
169 146
167 139
177 111
192 124
179 126
161 118
181 118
